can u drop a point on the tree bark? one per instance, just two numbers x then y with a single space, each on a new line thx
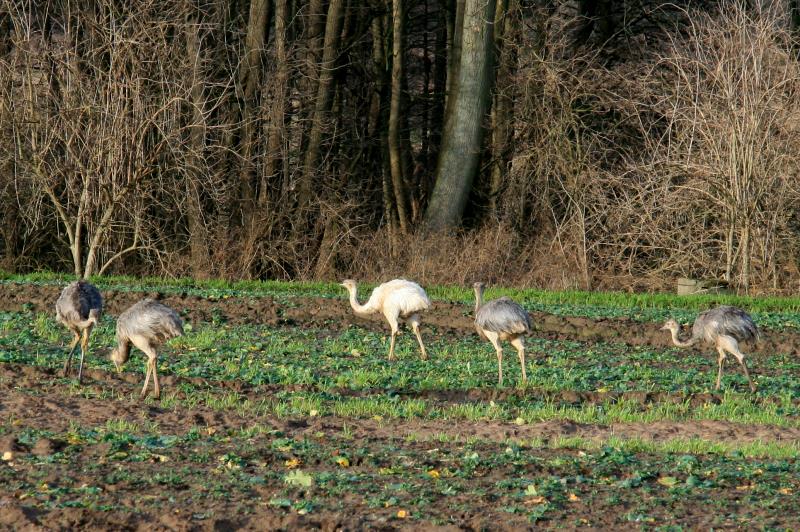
250 81
502 103
395 155
198 234
333 29
276 128
463 132
455 31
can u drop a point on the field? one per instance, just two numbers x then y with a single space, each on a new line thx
280 410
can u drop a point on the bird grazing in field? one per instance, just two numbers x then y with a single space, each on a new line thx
397 300
79 307
146 325
502 319
724 327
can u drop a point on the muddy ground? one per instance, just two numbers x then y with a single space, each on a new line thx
336 314
35 399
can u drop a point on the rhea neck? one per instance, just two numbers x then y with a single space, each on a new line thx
677 341
478 298
123 350
357 307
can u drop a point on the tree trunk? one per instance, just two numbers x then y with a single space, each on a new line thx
250 80
501 106
198 234
455 31
333 28
463 132
395 155
276 128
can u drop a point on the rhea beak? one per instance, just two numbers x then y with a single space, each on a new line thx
664 328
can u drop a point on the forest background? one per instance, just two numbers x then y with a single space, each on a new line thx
558 144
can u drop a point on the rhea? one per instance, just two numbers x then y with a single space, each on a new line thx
724 327
147 325
79 307
499 320
398 300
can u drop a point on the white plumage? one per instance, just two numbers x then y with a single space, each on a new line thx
398 300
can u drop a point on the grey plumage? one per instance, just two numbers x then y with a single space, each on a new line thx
147 325
503 315
79 307
724 327
724 319
502 319
77 302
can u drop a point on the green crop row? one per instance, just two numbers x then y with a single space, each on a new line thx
629 303
355 359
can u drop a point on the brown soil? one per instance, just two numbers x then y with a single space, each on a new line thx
43 405
33 399
336 313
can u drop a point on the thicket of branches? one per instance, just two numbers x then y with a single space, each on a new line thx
624 143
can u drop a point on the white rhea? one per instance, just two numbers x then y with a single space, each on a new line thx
146 325
79 308
502 319
724 327
398 300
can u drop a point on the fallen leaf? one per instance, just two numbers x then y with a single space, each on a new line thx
343 462
433 473
785 491
402 514
8 455
298 478
573 498
536 500
668 481
292 463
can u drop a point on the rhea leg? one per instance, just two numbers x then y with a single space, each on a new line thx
149 367
730 345
84 347
720 360
520 347
414 321
393 324
156 387
493 337
68 362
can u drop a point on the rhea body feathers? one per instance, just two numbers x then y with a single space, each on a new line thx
499 320
724 327
78 308
398 300
147 325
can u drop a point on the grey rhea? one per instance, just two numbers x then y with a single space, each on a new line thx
146 325
724 327
502 319
79 308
